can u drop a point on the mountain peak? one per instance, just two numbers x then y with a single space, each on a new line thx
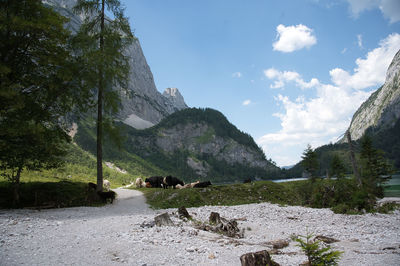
175 97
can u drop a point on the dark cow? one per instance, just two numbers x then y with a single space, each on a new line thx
171 181
92 186
248 180
202 184
107 195
154 181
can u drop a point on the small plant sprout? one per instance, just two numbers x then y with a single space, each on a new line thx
316 254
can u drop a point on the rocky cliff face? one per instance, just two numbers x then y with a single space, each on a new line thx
200 138
382 109
146 106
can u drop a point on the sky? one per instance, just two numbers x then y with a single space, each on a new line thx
288 72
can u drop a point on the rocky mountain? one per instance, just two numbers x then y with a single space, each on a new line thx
192 144
382 109
145 106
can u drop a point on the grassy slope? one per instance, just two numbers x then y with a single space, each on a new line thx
62 187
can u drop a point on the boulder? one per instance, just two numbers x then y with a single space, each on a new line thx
279 244
163 220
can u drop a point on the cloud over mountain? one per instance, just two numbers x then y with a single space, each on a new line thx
320 119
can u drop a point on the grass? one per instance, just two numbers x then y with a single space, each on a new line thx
65 186
227 195
286 193
49 195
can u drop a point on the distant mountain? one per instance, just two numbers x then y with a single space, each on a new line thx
192 144
146 106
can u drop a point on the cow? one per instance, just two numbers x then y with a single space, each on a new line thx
202 184
189 185
92 186
139 183
248 180
107 195
171 181
154 181
106 184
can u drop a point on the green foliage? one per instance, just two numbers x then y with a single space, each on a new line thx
317 255
310 162
39 86
374 166
337 168
227 195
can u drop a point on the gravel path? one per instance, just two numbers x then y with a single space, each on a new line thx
114 235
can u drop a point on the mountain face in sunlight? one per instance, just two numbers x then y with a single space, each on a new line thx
145 105
382 109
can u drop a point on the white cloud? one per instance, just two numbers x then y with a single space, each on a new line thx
246 102
343 51
281 78
237 75
324 117
359 41
389 8
292 38
370 71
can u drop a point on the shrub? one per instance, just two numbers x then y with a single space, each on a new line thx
316 254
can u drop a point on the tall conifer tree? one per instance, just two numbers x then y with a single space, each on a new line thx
100 45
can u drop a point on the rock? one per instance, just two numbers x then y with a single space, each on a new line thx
163 220
183 213
325 239
147 224
279 244
257 259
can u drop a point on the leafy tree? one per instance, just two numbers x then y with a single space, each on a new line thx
100 45
337 167
38 81
310 162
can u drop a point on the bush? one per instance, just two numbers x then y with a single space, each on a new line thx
316 254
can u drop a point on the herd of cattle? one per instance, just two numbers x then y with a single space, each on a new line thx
168 181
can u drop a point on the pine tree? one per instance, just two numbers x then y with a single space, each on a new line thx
337 167
374 166
100 45
310 162
38 88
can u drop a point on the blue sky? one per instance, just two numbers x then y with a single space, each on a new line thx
288 72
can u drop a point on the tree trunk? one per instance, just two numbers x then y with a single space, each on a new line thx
100 110
353 160
16 187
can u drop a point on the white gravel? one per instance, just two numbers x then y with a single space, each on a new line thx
112 235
